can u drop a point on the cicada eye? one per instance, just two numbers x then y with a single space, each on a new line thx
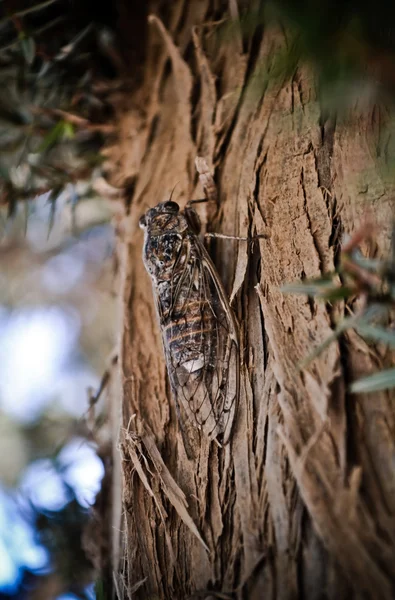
171 206
142 222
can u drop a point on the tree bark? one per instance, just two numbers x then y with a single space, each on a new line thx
301 502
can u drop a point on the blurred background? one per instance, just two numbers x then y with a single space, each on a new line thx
57 308
57 324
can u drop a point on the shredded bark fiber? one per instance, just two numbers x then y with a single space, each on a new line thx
301 502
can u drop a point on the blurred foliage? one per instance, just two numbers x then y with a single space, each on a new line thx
369 286
55 66
58 70
61 533
349 43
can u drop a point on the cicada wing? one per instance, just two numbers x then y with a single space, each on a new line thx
190 360
207 386
190 440
225 386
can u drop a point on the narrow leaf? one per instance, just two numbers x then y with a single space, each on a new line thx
28 47
53 136
99 590
309 289
374 383
370 264
68 131
337 293
378 334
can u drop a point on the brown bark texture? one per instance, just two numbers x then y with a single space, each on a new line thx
301 502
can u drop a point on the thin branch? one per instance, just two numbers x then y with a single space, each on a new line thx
26 11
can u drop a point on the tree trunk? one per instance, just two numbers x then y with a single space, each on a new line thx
301 502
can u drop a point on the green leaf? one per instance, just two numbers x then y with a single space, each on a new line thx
374 383
4 173
373 265
28 46
374 312
324 290
310 287
378 334
68 131
299 288
53 136
337 293
99 590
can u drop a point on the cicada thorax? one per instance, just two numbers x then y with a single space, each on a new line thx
163 245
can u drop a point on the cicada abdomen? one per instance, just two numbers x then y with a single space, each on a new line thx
199 331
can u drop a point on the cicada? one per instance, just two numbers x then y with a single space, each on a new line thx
199 330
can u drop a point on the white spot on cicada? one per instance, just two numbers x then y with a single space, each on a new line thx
194 365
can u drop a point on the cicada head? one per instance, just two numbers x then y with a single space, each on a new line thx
169 208
165 227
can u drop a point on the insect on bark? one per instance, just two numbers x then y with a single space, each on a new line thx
199 331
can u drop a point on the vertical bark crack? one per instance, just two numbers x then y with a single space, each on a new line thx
306 210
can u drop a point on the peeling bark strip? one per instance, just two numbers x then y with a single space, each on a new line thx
301 503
